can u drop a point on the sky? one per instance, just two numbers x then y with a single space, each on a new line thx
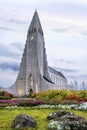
64 24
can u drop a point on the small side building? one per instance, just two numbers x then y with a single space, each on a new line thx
58 78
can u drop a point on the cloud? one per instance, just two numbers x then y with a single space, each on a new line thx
84 33
65 8
67 70
9 51
6 28
10 56
18 46
16 21
84 76
71 30
72 77
66 61
11 66
7 77
61 30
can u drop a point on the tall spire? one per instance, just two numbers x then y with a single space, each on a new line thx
33 74
35 24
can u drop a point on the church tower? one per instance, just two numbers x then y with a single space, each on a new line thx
33 67
34 74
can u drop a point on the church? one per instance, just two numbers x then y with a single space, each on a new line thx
34 73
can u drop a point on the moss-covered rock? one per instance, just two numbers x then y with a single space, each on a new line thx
23 121
63 120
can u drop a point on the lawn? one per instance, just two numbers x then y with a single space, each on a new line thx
7 116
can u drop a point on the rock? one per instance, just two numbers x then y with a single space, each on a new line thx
58 125
59 114
23 121
63 120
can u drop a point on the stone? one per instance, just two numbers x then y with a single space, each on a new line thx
58 125
58 114
63 120
23 121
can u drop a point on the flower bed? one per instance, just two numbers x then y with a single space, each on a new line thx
82 106
24 103
40 104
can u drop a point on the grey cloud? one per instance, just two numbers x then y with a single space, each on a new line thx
61 30
84 33
12 66
6 29
7 51
18 46
16 21
57 7
65 8
71 9
14 11
66 61
67 70
83 76
71 77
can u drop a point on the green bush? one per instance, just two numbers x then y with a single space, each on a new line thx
55 97
2 93
51 94
5 95
82 94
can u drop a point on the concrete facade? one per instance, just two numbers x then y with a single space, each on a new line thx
34 73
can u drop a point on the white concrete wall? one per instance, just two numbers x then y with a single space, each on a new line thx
58 80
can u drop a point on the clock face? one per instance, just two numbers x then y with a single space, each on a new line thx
31 38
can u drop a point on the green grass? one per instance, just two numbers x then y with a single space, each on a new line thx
7 116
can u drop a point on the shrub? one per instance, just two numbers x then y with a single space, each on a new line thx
73 96
5 95
62 96
32 95
51 94
82 94
30 103
53 101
